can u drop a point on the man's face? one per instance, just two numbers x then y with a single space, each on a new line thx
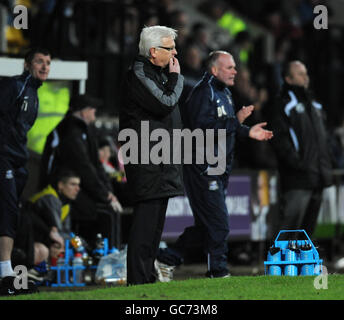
160 56
70 188
89 114
105 153
298 75
224 69
39 66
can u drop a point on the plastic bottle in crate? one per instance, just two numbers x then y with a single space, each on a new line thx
99 251
78 270
307 269
274 254
61 267
290 255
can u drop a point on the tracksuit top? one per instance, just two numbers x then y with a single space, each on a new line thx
18 112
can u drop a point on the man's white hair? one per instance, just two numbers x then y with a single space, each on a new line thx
151 37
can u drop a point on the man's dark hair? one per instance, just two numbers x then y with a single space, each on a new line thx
63 175
31 53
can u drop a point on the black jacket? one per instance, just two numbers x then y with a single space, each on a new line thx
18 112
73 145
300 140
151 95
210 106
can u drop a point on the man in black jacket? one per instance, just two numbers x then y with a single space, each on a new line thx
72 145
152 88
18 112
302 151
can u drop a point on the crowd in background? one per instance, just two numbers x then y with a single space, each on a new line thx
105 33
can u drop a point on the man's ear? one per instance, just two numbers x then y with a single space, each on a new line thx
288 79
26 66
152 52
59 184
214 70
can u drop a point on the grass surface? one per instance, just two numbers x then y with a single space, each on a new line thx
233 288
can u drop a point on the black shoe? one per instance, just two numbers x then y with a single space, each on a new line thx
222 274
7 287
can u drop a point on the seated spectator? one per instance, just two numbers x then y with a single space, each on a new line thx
73 145
50 210
115 170
45 224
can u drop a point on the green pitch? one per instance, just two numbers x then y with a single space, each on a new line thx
328 287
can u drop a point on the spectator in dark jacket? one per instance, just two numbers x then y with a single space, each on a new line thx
73 145
152 88
18 112
301 147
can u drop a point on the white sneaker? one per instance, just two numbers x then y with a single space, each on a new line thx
33 274
164 271
339 264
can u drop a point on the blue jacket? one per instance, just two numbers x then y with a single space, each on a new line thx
210 106
18 112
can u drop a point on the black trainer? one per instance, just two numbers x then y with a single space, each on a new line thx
7 287
221 274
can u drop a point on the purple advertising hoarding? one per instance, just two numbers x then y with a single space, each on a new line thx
179 214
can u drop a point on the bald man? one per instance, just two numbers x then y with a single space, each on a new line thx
303 155
210 107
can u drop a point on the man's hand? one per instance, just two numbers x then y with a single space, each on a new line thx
115 204
174 65
56 237
244 113
258 133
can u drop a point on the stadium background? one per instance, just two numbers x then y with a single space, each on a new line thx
261 35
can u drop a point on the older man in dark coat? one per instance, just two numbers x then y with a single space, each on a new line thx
152 88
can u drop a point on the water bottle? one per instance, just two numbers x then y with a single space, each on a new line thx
99 250
307 269
274 254
61 271
290 255
78 268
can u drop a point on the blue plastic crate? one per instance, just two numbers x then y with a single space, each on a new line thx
66 274
281 260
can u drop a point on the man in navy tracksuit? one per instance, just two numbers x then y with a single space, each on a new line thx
210 106
18 112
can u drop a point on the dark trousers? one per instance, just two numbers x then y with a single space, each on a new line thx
300 209
206 195
23 250
12 183
90 217
106 223
310 218
143 244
